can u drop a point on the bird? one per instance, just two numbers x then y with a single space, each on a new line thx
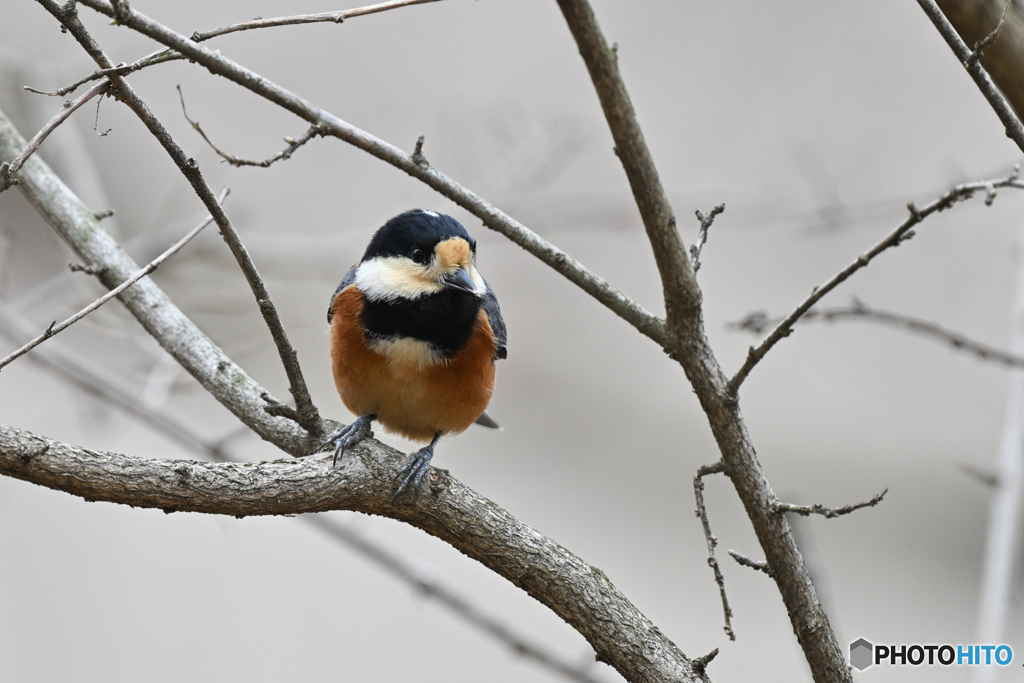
415 334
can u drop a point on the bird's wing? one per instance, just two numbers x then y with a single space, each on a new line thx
493 312
349 278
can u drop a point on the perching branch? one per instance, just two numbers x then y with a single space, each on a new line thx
957 194
760 322
307 413
702 513
9 171
577 592
54 328
828 513
285 154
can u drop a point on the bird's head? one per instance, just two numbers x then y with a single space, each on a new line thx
418 253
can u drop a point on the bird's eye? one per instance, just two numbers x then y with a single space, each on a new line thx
419 256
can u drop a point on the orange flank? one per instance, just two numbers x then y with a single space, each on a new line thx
410 397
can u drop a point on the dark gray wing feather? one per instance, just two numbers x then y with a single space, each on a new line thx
490 304
349 278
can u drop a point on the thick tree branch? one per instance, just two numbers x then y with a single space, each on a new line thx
577 592
647 323
691 349
306 412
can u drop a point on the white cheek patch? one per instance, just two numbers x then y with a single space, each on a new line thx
407 351
481 286
394 277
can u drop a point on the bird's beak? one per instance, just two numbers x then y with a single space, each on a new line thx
460 279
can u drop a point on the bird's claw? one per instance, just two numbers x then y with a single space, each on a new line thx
348 436
413 470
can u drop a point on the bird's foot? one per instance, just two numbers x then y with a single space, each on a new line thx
414 468
349 436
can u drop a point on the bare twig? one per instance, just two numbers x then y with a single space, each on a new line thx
331 17
759 322
1012 124
644 321
9 171
54 328
167 54
980 46
702 235
902 233
702 513
828 513
309 418
286 153
747 562
701 663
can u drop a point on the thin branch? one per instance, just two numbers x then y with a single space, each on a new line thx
1012 124
9 171
644 321
902 233
828 513
702 513
286 153
309 418
331 17
167 54
54 328
679 287
747 562
759 322
81 375
702 235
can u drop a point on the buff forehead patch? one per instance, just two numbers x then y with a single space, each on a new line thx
453 252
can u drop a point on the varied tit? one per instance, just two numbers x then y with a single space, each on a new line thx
415 332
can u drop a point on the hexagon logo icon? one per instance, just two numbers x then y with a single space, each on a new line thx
861 654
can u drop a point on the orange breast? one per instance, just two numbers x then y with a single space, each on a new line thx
413 400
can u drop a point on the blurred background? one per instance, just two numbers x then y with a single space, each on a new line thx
815 123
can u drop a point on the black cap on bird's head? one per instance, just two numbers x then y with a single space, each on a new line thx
415 229
418 253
